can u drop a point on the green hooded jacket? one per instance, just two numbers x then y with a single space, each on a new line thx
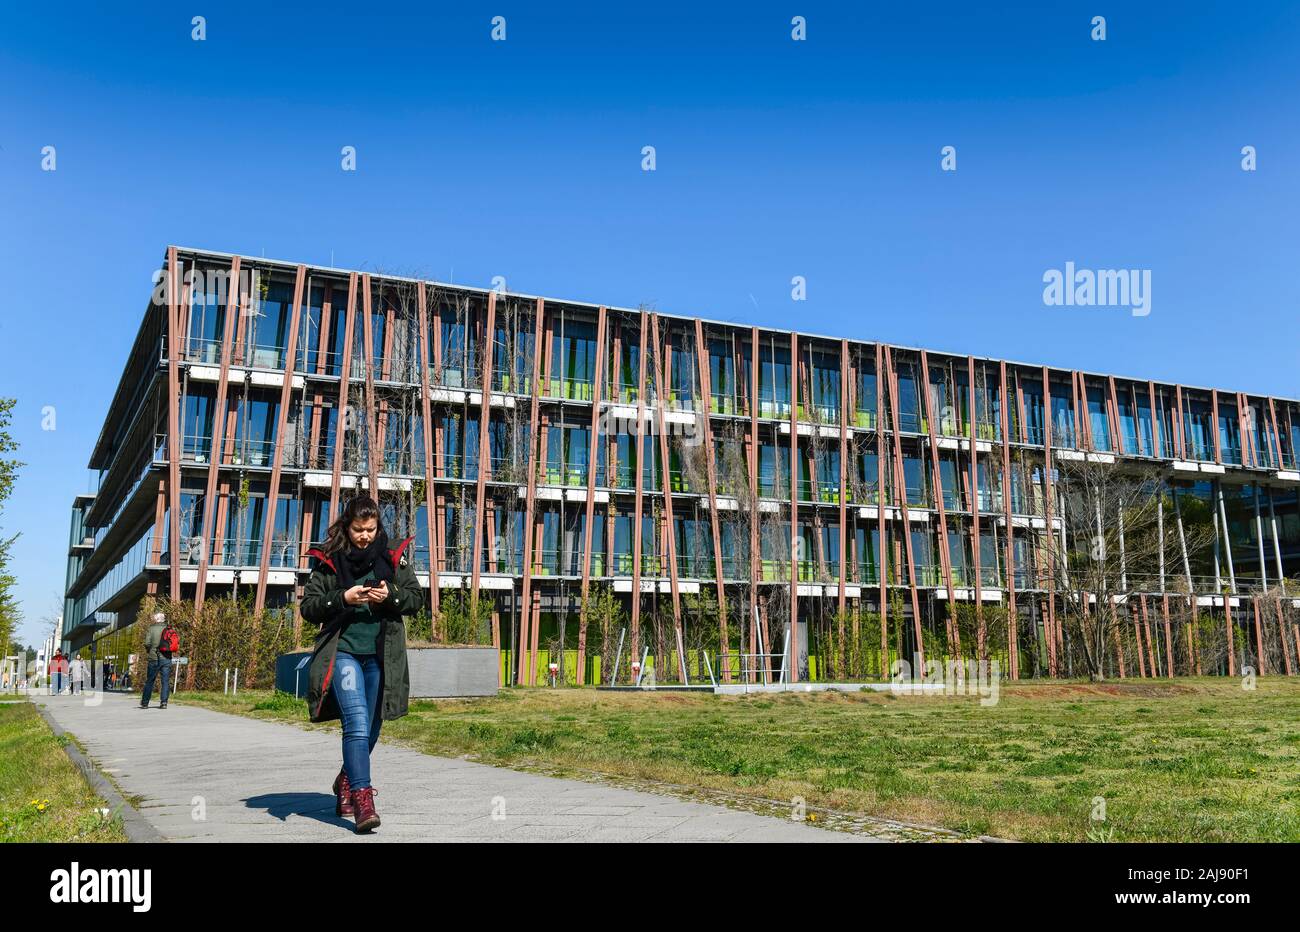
322 604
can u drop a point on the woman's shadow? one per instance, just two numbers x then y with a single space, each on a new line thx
317 806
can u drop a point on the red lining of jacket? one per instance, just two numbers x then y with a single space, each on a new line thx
395 556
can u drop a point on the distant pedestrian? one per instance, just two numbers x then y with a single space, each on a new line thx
160 642
58 670
358 592
78 675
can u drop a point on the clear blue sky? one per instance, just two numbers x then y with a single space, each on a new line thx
775 158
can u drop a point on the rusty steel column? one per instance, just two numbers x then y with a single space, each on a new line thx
661 385
706 390
233 309
981 641
1282 635
1013 620
1249 455
1137 421
322 336
882 562
592 448
1112 416
548 357
945 556
906 519
372 431
173 426
1137 630
1114 640
526 614
1157 444
438 559
640 489
1259 639
1227 620
1214 424
1051 532
844 495
1178 421
793 637
277 457
755 548
484 449
341 422
430 513
1169 635
1277 435
1078 401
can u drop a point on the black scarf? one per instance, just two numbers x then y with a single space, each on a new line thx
351 563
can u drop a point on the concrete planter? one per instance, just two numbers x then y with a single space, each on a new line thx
436 672
445 672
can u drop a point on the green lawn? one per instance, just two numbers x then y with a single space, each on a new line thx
1189 760
43 797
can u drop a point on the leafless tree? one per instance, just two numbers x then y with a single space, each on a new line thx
1112 535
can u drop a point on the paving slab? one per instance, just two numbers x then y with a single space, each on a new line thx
255 780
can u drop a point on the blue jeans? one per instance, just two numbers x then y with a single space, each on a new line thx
356 687
163 666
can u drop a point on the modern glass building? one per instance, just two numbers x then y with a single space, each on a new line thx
720 480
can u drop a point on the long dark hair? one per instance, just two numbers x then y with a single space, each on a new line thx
357 509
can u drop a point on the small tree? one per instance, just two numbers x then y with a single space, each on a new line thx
603 614
1109 537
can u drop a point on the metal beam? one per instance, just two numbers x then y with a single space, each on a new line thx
592 456
374 445
640 487
345 416
277 456
1052 636
981 645
1013 627
945 553
706 390
430 512
901 486
173 425
793 638
233 309
661 395
484 449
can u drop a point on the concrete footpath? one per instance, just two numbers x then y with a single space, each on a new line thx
199 775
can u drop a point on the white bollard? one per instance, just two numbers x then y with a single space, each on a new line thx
235 691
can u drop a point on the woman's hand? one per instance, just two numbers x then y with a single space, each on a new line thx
357 595
378 593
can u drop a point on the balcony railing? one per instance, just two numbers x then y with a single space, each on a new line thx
726 404
243 552
569 389
566 475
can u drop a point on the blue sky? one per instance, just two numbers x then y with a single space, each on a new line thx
775 158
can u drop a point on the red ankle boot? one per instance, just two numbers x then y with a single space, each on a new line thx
363 808
343 805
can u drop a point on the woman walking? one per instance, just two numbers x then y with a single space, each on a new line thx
358 593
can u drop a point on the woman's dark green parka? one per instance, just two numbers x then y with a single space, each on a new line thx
323 604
